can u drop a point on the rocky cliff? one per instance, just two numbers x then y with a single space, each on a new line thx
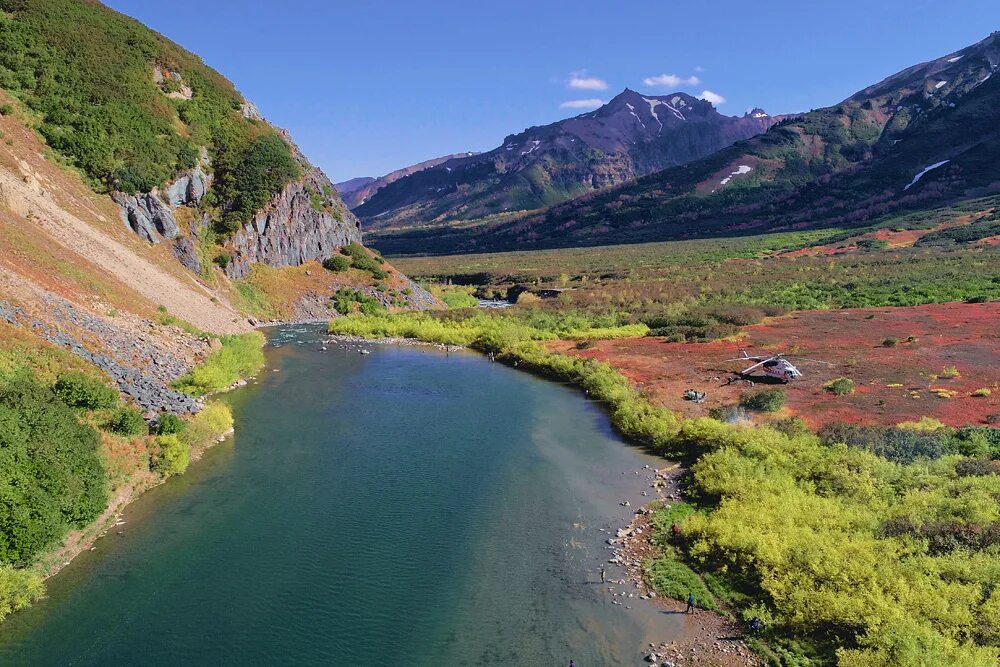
306 221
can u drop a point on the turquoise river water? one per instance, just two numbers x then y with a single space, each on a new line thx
405 507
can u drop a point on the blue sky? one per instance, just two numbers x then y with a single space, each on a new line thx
366 87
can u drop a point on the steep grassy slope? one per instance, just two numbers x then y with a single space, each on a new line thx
841 165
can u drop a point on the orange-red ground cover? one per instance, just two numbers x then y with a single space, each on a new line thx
966 336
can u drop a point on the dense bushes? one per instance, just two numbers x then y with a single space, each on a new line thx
251 164
18 589
80 390
240 357
765 400
172 456
51 474
127 422
361 260
840 386
347 300
906 443
337 263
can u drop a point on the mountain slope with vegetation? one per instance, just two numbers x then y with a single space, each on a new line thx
923 137
630 136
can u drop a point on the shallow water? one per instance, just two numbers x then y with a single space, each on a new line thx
408 506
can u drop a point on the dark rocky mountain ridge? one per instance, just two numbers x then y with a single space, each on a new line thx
631 136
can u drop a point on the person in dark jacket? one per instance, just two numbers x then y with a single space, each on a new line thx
690 607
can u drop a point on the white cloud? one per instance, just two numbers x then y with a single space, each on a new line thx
714 98
583 81
591 103
699 69
671 80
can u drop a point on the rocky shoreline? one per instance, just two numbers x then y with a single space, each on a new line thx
713 639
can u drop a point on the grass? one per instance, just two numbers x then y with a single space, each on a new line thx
239 357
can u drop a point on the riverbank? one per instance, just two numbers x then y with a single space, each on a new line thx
827 538
204 429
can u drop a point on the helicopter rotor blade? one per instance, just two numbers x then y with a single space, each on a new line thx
752 368
808 360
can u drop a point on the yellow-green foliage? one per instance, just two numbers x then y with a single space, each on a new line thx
18 589
240 357
173 455
454 296
208 425
846 545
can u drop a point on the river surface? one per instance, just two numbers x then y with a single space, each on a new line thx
405 507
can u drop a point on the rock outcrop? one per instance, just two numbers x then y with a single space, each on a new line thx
306 221
151 214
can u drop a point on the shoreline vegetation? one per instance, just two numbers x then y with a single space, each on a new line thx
848 557
75 454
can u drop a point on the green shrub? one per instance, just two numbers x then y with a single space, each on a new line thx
18 589
949 373
127 422
240 357
214 421
172 456
890 342
371 266
840 386
766 400
6 109
80 390
347 301
337 263
982 392
169 424
51 473
222 259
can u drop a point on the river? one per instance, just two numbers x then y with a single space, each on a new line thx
408 506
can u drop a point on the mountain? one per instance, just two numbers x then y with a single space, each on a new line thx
145 204
926 135
630 136
356 191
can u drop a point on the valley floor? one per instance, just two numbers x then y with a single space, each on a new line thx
895 356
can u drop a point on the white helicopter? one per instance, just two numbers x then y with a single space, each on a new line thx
777 366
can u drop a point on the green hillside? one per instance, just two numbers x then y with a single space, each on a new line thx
90 74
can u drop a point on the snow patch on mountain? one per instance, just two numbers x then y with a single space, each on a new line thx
925 170
531 150
939 84
955 59
740 170
631 110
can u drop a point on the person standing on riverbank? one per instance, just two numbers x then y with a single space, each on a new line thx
690 601
602 574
